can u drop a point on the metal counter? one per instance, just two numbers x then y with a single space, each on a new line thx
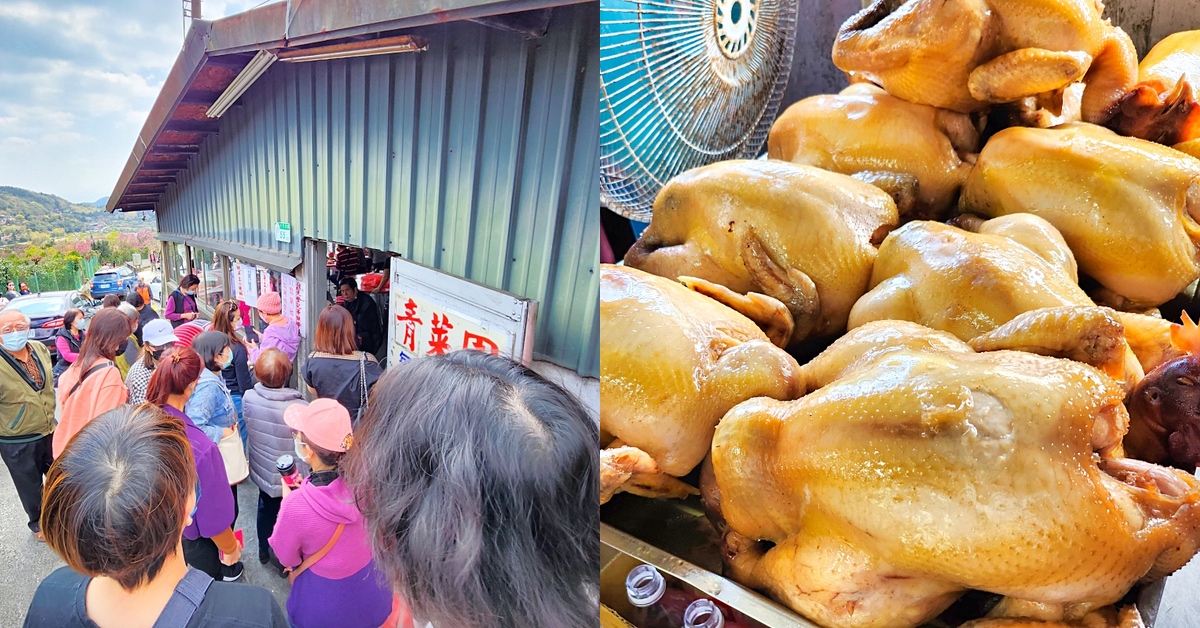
675 537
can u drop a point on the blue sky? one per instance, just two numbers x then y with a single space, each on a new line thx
76 82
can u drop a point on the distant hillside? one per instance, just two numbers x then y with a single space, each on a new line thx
24 213
102 202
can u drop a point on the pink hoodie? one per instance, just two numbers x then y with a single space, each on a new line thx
307 519
285 337
343 588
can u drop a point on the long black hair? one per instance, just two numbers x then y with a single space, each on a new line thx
479 482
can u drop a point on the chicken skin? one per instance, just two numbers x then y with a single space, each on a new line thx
1164 106
1126 207
800 235
917 153
968 54
672 363
916 469
969 283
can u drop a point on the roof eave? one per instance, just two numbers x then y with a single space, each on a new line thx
270 27
187 65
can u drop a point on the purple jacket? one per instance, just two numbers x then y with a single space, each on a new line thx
343 588
286 338
187 303
214 511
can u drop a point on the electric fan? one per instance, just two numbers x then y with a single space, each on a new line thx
685 83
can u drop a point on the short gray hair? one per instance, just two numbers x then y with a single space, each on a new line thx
479 481
129 311
6 311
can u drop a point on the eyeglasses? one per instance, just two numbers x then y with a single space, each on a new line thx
8 329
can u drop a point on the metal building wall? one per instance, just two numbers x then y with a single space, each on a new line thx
477 157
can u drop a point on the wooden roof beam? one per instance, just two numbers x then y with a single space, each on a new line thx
175 149
191 126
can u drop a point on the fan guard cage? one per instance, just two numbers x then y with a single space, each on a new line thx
685 83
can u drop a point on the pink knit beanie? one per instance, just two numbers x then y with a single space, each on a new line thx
188 331
269 303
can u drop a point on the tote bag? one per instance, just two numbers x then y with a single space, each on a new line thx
236 465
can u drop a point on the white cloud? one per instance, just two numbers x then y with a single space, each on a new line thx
77 80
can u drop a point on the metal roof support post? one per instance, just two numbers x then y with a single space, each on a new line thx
313 274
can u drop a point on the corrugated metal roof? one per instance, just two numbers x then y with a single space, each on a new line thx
477 157
214 52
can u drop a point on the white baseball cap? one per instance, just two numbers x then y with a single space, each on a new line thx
159 332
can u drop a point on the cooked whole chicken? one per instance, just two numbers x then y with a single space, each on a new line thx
1164 106
801 235
1005 283
930 273
1126 207
672 362
967 54
917 153
969 283
915 469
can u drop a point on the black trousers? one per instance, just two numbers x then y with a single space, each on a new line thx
203 555
27 464
268 512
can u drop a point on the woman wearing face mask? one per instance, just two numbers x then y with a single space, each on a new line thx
208 542
158 337
181 304
320 534
238 380
68 340
281 332
211 409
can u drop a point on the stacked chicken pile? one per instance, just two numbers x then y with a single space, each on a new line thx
981 420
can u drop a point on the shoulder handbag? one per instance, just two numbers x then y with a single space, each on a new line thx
312 560
188 595
237 468
93 369
362 385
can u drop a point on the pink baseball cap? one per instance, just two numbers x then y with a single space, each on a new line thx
325 422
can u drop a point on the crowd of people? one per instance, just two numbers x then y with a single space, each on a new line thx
458 490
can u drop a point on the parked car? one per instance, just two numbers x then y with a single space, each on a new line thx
46 310
117 280
156 288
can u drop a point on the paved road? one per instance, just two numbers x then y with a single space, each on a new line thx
24 561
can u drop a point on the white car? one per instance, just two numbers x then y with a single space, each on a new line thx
156 288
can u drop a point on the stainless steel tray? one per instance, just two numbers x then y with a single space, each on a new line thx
675 537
